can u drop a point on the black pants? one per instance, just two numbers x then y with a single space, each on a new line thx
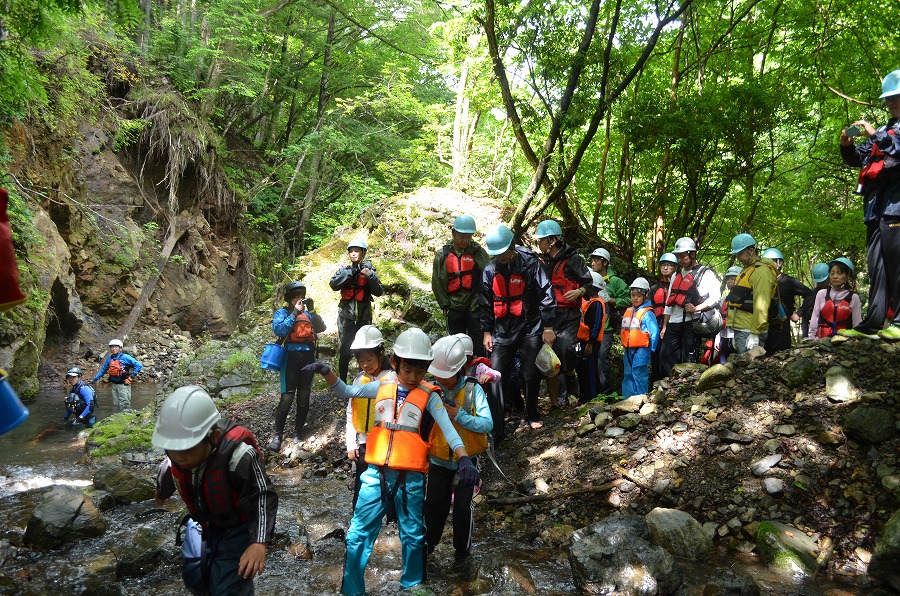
502 361
566 326
883 259
679 342
604 374
468 322
439 493
779 337
347 329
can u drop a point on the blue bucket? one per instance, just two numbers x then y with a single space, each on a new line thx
272 357
12 411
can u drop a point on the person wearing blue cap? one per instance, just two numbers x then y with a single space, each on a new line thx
878 157
455 275
789 288
837 307
751 297
819 274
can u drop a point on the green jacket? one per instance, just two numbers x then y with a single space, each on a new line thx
617 290
760 278
464 300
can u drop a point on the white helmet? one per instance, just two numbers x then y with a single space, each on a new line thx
185 419
368 337
414 344
449 357
641 284
467 343
601 253
684 245
115 342
598 281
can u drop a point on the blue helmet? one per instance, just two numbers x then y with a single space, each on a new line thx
357 243
740 242
819 272
548 227
668 257
891 84
845 262
498 240
464 224
772 253
734 271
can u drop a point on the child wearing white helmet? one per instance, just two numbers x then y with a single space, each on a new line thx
640 336
468 408
368 348
397 458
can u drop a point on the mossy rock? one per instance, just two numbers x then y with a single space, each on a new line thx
787 549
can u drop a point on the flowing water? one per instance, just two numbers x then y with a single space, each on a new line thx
314 512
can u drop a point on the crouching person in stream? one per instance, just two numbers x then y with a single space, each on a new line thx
80 401
218 470
397 458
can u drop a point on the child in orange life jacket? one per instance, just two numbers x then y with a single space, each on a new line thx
725 337
640 336
218 470
299 325
477 368
468 408
591 332
397 458
368 347
837 306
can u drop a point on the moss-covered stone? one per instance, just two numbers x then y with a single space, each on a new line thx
786 549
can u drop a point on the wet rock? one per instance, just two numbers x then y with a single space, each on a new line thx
679 533
731 584
869 425
125 485
145 551
839 385
885 563
798 371
614 556
786 549
64 515
714 376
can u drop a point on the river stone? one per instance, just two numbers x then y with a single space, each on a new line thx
797 372
761 466
869 425
715 376
885 563
773 486
786 549
124 484
839 385
686 369
614 556
731 584
628 406
679 533
145 551
629 421
64 515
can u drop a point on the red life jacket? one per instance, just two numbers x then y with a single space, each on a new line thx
632 335
357 289
508 295
835 315
875 164
584 330
562 284
220 504
684 291
116 370
460 271
658 299
302 332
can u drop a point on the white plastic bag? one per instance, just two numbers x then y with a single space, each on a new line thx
547 361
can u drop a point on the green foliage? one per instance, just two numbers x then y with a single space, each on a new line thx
236 360
129 131
123 431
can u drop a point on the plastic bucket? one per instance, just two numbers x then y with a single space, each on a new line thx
12 411
272 357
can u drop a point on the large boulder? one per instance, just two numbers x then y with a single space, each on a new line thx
614 556
123 484
885 563
679 533
869 425
787 549
64 515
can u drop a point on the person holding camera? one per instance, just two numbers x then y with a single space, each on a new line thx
299 325
878 157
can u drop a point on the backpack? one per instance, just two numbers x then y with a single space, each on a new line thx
710 321
194 556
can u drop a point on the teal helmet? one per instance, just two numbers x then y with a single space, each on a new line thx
740 242
498 240
668 257
734 271
845 262
819 272
891 84
772 253
548 227
464 224
357 243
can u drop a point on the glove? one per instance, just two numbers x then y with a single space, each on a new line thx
318 367
310 305
752 341
128 380
468 473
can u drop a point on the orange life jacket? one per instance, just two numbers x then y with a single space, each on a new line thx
357 289
221 505
632 334
302 332
460 271
835 315
508 295
475 442
116 369
562 284
395 440
584 330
